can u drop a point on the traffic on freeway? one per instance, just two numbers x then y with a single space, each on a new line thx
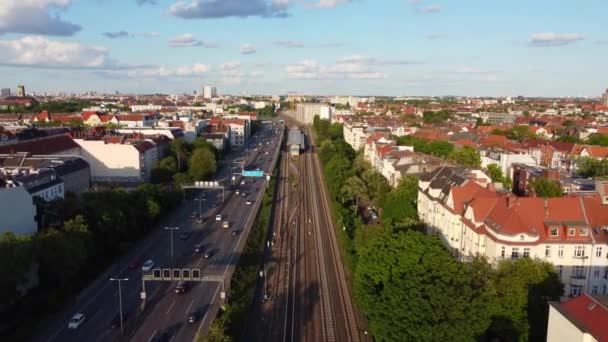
211 242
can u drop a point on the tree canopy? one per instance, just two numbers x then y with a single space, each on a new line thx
547 188
466 156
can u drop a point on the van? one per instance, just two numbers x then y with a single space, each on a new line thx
181 288
218 217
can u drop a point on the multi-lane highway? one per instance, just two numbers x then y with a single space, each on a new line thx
165 313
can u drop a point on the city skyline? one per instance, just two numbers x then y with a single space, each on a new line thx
324 47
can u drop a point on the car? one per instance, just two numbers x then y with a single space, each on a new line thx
243 182
185 235
194 316
181 288
135 263
248 202
115 322
243 194
147 266
266 152
258 169
207 255
194 214
199 248
234 233
237 191
76 321
226 224
218 217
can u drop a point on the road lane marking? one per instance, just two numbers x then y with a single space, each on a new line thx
170 307
95 315
189 306
152 336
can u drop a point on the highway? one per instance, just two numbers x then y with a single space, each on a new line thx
165 312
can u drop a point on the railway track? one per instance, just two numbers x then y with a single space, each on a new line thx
312 300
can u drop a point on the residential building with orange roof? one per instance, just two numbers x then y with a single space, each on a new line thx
472 218
580 319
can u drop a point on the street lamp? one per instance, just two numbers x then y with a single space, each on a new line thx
199 200
171 229
119 280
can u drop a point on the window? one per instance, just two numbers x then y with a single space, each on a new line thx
604 289
560 251
521 237
605 272
579 251
598 252
575 290
596 272
515 253
554 232
548 251
502 252
571 232
526 252
560 268
577 271
584 232
594 289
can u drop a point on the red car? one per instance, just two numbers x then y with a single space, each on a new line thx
135 263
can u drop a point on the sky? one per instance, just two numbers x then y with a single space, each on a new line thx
324 47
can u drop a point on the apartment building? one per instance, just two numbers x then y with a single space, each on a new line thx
135 120
354 135
497 118
306 112
116 159
580 319
463 208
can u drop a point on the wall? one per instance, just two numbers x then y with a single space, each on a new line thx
18 211
111 162
561 329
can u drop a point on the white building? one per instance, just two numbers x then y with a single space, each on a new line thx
580 319
354 135
462 207
146 108
306 112
135 120
115 159
18 210
209 92
505 159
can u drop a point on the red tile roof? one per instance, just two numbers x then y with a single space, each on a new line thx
55 144
587 313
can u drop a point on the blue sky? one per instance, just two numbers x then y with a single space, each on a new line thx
360 47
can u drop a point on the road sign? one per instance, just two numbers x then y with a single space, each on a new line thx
253 173
171 274
196 274
186 274
177 274
167 274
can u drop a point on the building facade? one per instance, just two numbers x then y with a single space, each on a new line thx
462 207
5 92
605 98
580 319
209 92
18 210
21 91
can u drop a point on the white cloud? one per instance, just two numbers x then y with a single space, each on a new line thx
230 66
432 9
150 34
39 51
353 67
33 17
194 70
331 3
203 9
187 40
436 36
248 49
117 34
288 44
554 39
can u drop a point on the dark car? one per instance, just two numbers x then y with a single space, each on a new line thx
181 288
194 316
135 263
234 233
115 322
185 235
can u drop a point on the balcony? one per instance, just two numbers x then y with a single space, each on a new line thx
579 280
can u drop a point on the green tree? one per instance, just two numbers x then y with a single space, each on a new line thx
201 164
163 170
16 259
495 173
522 290
598 139
410 267
592 168
478 122
400 204
354 188
568 123
547 188
182 151
569 139
466 156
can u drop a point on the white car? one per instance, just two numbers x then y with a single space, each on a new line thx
147 266
76 321
218 217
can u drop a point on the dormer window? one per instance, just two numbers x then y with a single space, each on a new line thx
521 237
554 232
571 232
584 232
